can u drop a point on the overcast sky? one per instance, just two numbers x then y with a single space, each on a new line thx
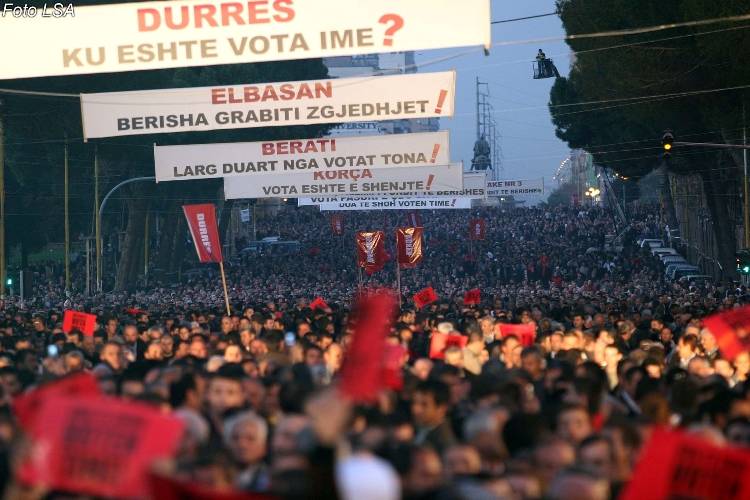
530 148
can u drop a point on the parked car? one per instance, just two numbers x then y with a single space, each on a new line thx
681 273
673 259
663 251
669 273
651 243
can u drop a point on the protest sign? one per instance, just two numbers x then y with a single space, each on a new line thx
98 446
477 229
425 297
515 188
183 33
732 331
526 332
281 104
371 254
283 158
201 220
83 322
442 341
678 465
409 246
362 368
393 203
26 406
350 181
473 297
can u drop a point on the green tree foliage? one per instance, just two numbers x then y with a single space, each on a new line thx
635 87
37 128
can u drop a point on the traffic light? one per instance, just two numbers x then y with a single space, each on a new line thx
743 261
667 140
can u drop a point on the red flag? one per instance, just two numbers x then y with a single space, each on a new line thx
526 332
165 488
473 297
425 297
74 320
371 254
477 229
679 465
414 219
361 372
442 341
732 331
409 246
392 360
337 224
26 406
318 303
201 220
98 446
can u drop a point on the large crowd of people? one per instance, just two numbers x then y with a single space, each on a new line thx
618 350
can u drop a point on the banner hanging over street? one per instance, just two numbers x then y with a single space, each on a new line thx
395 203
516 188
353 181
281 104
182 33
282 158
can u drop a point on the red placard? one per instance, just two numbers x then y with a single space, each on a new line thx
678 465
26 406
392 375
409 246
442 341
473 297
477 229
83 322
337 224
98 446
732 331
361 372
201 220
371 254
526 332
318 303
425 297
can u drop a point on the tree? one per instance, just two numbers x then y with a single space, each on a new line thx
621 127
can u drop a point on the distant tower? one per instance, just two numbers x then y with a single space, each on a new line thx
487 153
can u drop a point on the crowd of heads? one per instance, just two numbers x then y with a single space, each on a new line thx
618 350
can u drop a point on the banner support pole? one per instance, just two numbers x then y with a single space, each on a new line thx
398 282
224 284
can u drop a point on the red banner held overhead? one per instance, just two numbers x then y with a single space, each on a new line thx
732 331
371 255
201 220
337 224
409 246
477 229
83 322
362 370
526 332
679 465
442 341
98 446
473 297
425 297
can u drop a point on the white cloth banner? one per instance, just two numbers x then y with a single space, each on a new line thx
181 33
526 187
418 95
356 181
392 203
244 215
474 189
282 158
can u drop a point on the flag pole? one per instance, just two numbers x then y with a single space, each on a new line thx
398 281
224 283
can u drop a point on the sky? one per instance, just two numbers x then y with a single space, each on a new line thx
529 146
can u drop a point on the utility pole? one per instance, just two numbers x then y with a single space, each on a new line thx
97 222
745 201
2 204
67 220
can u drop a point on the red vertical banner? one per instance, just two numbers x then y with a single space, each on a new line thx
477 229
201 220
409 246
371 254
337 224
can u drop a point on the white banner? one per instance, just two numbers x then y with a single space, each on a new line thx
355 181
516 188
391 203
281 104
244 215
181 33
281 158
473 182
